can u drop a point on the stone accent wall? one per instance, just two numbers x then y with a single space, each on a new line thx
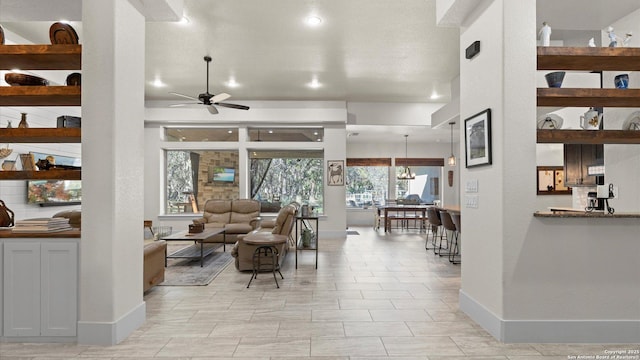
220 191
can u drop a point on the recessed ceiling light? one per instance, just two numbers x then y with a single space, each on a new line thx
313 20
270 131
232 83
434 95
184 21
158 83
314 84
230 131
315 133
319 139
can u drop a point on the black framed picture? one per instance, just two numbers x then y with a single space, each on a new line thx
477 136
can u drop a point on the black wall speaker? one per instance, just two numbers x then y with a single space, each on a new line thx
473 49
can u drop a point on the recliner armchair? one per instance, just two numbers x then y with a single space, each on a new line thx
282 228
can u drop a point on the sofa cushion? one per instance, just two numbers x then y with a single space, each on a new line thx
238 228
217 211
244 211
211 225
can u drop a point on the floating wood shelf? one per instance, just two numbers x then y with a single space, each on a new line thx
588 136
40 135
41 175
41 57
588 58
588 97
40 96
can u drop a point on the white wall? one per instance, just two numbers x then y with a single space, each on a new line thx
530 279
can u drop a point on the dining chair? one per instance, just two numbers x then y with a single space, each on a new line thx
435 225
449 227
456 246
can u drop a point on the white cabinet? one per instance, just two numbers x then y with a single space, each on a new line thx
40 283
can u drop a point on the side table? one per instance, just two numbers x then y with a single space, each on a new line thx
309 223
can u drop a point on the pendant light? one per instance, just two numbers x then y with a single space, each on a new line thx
452 158
406 174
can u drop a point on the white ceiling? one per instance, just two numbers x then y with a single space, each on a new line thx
364 51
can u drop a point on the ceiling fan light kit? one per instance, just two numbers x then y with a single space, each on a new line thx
208 99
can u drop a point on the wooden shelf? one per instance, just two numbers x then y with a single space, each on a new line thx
41 175
40 95
588 58
588 97
40 135
41 57
588 137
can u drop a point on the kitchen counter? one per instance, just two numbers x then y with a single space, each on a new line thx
584 214
8 234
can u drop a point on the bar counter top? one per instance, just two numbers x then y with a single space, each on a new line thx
584 214
8 234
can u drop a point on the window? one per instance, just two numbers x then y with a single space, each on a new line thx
200 134
194 176
426 185
285 134
367 182
280 177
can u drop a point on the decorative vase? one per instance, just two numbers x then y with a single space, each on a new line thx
23 122
554 79
306 237
621 81
9 124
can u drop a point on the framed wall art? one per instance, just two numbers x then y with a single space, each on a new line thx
335 172
550 181
477 138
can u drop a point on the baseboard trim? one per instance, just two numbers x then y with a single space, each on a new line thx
38 339
550 331
111 333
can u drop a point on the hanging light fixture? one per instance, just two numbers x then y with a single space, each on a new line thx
406 174
452 158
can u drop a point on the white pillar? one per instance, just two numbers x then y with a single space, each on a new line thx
111 305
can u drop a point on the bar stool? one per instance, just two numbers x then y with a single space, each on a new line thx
456 246
433 217
448 225
266 256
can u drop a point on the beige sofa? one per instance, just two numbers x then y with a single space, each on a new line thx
282 227
237 217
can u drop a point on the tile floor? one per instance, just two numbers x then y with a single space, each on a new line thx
374 296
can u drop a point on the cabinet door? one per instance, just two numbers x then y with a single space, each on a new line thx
577 159
572 165
591 155
21 288
59 279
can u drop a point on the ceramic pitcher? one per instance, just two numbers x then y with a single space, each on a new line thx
590 120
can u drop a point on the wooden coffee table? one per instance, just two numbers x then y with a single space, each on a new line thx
197 250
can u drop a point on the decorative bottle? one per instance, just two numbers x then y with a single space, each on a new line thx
9 124
23 122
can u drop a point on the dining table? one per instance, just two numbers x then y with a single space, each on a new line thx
402 211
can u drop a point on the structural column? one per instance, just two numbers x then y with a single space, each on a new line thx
111 304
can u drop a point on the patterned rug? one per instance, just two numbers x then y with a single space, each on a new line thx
187 272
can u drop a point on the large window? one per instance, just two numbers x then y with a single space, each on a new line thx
280 177
426 185
367 182
195 176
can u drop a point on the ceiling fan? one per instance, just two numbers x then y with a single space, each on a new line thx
209 99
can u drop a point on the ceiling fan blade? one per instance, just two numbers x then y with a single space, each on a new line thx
219 97
185 96
185 104
212 109
233 106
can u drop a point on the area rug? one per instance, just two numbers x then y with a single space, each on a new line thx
187 272
352 232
